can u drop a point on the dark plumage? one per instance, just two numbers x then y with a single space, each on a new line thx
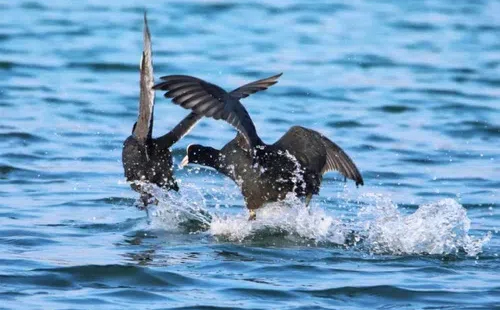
146 158
295 163
149 159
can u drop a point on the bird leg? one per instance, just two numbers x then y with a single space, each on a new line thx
253 215
308 199
146 200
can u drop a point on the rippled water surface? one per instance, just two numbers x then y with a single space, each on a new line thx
410 89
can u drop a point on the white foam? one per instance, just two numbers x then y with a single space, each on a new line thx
439 228
173 210
290 217
436 228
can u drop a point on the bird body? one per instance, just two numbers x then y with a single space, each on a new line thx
265 172
152 163
281 168
147 159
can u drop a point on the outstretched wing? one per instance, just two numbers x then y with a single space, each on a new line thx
195 94
210 100
253 87
318 153
338 160
144 127
179 131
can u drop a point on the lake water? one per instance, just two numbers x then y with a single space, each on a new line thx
409 89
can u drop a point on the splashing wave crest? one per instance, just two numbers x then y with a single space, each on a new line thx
381 227
441 227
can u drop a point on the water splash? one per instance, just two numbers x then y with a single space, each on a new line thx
439 228
178 212
289 218
436 228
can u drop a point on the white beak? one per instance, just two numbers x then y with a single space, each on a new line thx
184 162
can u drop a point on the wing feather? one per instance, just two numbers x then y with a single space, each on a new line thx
256 86
182 90
144 127
179 131
338 160
209 100
317 153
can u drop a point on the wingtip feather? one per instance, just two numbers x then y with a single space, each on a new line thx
146 33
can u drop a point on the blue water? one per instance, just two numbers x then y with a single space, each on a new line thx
410 89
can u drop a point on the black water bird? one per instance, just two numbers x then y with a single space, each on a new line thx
265 172
147 159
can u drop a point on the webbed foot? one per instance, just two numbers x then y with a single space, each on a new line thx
308 199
